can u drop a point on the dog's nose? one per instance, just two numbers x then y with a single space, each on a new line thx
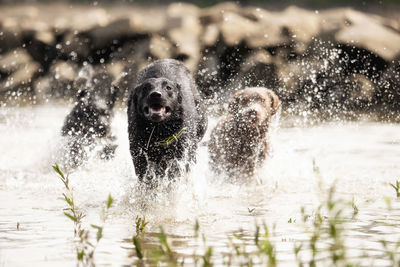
250 115
155 94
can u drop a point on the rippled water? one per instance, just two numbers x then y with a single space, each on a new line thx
360 158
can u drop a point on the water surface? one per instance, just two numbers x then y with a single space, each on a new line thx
360 158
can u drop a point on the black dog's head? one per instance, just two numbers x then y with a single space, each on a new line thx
96 88
157 99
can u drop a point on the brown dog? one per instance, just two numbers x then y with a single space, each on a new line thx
239 142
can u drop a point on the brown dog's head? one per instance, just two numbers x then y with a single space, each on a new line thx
254 106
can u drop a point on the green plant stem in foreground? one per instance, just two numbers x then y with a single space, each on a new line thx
84 249
396 187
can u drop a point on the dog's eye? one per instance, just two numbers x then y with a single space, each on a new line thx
169 88
258 99
245 101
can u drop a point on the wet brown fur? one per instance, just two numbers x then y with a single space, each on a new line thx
239 142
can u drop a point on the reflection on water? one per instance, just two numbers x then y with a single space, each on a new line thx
360 158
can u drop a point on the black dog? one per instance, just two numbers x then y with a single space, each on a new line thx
166 120
89 120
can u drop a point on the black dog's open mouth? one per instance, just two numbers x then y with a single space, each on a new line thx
156 112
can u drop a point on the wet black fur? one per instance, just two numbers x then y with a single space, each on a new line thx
152 160
90 121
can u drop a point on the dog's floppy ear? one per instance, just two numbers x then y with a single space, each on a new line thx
133 97
275 102
132 100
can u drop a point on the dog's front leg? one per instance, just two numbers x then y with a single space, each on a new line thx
140 163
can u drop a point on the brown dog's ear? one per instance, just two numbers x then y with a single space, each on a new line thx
275 102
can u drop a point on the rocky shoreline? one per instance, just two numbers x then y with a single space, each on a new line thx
331 59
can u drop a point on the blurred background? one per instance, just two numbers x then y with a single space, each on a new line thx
336 56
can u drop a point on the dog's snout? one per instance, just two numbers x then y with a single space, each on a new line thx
155 94
249 115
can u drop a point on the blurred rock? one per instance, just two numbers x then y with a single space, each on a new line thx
119 29
115 68
260 28
20 70
186 37
235 29
258 69
210 35
64 70
32 34
40 30
335 58
362 91
9 39
82 20
329 87
213 15
160 47
133 52
14 60
207 76
389 87
368 33
20 78
368 42
354 59
302 26
41 52
131 58
74 45
140 22
46 37
60 79
14 31
41 87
